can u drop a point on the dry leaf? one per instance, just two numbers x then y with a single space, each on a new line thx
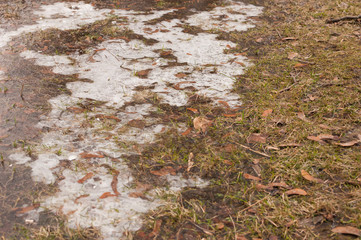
300 65
278 184
107 194
202 124
177 86
190 161
292 55
267 112
101 116
240 63
86 177
322 137
288 38
156 228
296 191
230 115
256 138
263 187
180 75
143 73
350 143
220 225
347 230
308 177
164 171
114 183
81 196
250 177
26 209
90 155
302 116
75 110
136 194
193 110
186 132
136 123
259 40
224 103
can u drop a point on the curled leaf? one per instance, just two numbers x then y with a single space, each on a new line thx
250 177
296 191
347 230
308 177
202 124
107 194
86 177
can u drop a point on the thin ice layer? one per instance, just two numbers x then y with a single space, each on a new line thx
82 150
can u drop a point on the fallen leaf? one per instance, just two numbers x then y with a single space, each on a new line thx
102 116
240 63
75 110
165 53
256 138
177 86
259 40
143 73
230 115
186 132
347 230
136 123
288 38
86 177
180 75
296 191
156 228
250 177
114 183
267 112
302 116
263 187
90 155
219 225
308 177
224 103
107 194
279 184
322 137
190 162
23 210
164 171
136 194
300 65
193 110
81 196
350 143
202 124
292 55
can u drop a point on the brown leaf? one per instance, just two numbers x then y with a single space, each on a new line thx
267 112
350 143
240 63
202 124
259 40
177 86
250 177
186 132
256 138
190 162
86 177
296 191
219 225
308 177
193 110
224 103
107 194
81 196
26 209
165 53
102 116
136 194
292 55
302 116
263 187
288 38
114 183
230 115
156 228
279 184
347 230
322 137
164 171
90 155
75 110
180 75
143 73
300 65
136 123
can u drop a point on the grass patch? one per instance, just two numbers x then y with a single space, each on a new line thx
308 73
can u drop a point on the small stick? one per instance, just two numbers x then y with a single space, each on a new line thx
21 92
343 19
250 149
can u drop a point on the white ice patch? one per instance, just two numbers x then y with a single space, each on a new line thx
92 142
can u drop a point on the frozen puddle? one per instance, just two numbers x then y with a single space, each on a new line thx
82 150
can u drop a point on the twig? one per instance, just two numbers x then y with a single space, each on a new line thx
21 92
252 205
287 88
254 151
343 19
